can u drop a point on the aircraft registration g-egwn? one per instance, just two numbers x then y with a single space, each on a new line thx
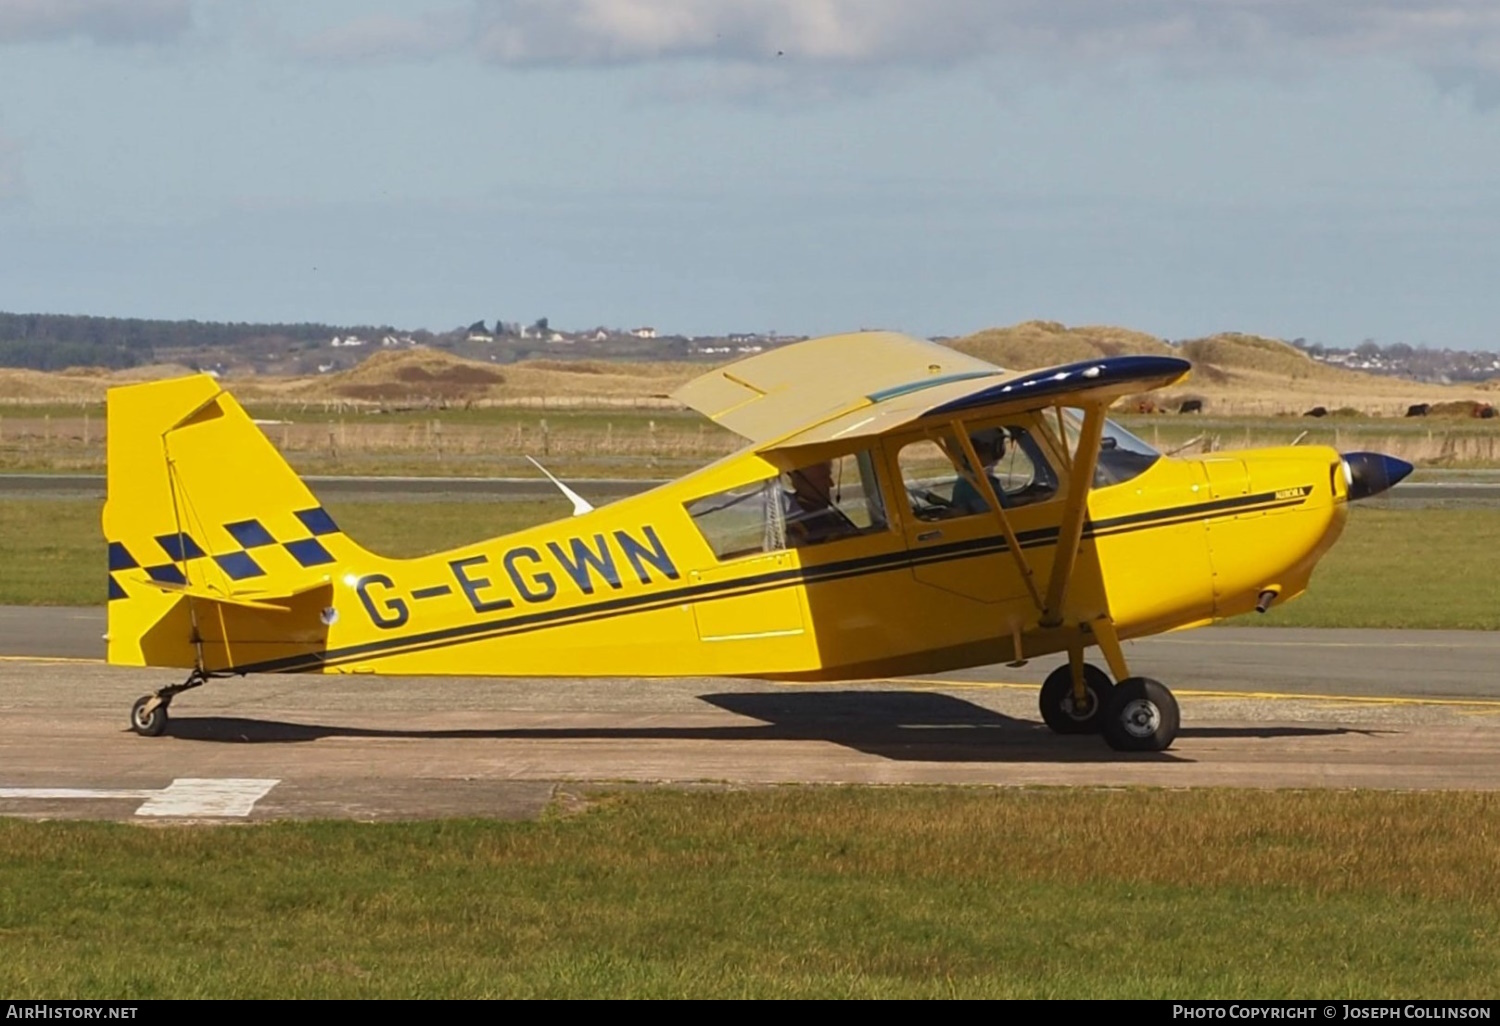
899 508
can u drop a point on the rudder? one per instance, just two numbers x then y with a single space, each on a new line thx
219 555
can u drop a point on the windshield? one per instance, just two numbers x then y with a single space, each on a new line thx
1122 455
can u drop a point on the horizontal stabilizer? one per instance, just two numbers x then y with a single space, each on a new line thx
271 601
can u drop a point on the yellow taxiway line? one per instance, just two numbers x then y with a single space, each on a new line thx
48 659
1486 703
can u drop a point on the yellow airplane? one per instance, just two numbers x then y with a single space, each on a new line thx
900 508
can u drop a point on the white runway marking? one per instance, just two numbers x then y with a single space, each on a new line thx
183 798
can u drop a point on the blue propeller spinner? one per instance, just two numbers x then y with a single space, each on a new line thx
1370 473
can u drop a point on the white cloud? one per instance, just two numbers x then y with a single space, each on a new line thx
875 33
103 21
385 37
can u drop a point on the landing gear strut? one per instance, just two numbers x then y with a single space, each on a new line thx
148 716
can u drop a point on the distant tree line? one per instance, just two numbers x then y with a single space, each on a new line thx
55 341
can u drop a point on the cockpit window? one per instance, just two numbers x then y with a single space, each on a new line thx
1122 455
941 486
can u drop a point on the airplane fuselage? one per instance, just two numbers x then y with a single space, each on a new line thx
637 588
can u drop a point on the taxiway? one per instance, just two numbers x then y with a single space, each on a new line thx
1261 708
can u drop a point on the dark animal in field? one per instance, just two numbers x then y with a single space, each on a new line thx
1417 410
1191 406
1317 411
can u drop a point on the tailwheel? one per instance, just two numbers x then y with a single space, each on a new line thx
1141 716
148 717
1062 711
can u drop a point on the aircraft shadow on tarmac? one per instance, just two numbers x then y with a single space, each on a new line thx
908 726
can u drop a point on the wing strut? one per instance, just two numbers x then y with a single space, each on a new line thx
1075 511
986 488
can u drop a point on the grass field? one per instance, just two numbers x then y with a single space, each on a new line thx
787 892
1392 568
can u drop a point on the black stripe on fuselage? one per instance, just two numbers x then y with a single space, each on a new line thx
823 573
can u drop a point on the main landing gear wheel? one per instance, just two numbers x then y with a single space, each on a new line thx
148 717
1141 716
1063 713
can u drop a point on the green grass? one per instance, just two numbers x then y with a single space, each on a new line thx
1437 568
787 892
51 552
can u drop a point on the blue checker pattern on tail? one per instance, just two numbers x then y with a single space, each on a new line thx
309 552
166 573
240 566
250 533
317 520
180 546
120 557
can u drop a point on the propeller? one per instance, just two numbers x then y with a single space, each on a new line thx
1370 473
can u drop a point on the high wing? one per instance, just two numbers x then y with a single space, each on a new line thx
861 385
767 396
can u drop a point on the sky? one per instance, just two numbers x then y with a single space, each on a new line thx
1318 169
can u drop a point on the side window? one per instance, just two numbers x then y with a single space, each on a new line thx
1016 465
832 499
935 475
820 502
930 478
741 520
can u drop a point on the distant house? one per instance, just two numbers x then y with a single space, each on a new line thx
479 336
643 332
346 342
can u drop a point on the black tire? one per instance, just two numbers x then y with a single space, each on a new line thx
1057 705
1142 716
148 724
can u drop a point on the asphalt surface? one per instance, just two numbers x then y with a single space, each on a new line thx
1261 708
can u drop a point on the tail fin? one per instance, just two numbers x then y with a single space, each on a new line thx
219 556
